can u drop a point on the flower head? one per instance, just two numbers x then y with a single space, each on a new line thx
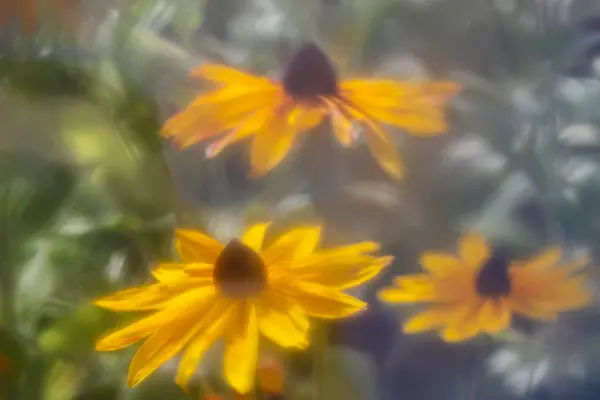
480 290
275 112
237 291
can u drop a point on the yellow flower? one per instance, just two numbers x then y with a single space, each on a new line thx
277 111
236 291
480 290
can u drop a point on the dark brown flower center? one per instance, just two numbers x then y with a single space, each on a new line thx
239 271
310 74
493 279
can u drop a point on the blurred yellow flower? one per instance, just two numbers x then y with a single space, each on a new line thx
236 291
277 111
271 376
480 290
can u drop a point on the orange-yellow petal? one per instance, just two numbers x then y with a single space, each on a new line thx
430 319
545 259
343 129
473 250
416 107
324 256
464 324
137 299
199 270
149 325
322 302
170 339
293 245
282 321
251 125
255 236
396 295
385 153
440 264
196 247
495 315
344 274
213 323
241 350
270 145
226 75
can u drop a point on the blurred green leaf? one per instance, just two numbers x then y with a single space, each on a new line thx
35 283
189 15
74 334
13 361
158 387
128 166
44 77
32 192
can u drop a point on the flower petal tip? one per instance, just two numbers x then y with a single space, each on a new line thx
386 261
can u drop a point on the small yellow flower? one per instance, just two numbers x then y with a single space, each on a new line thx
480 290
237 291
275 112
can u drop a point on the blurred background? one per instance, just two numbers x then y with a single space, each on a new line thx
90 193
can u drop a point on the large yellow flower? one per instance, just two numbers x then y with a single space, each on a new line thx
276 112
480 290
236 291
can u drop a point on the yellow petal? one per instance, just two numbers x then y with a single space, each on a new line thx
170 339
414 281
196 247
327 256
495 316
322 302
137 299
199 270
416 107
384 151
345 273
295 244
227 75
147 326
342 127
181 277
440 264
254 236
241 350
252 124
216 112
547 258
473 250
464 324
214 322
304 118
432 318
396 295
282 321
530 310
271 144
